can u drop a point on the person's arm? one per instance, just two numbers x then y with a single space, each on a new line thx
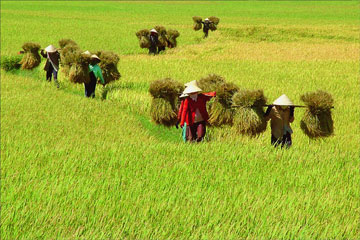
183 114
268 112
291 118
43 54
99 74
209 95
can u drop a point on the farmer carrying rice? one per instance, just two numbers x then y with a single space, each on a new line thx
206 27
182 98
281 114
95 73
154 38
193 112
52 63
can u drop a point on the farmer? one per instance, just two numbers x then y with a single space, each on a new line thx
182 98
95 73
52 63
281 114
206 27
194 113
154 39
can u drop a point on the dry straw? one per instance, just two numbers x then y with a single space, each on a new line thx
69 50
79 70
171 36
31 58
144 38
10 63
197 23
210 82
249 112
108 65
163 108
317 120
221 111
214 22
162 36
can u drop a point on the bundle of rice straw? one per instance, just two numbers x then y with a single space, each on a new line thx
317 120
210 82
197 23
171 36
67 57
108 65
66 42
164 103
221 111
162 36
31 58
9 63
79 70
214 22
144 38
249 112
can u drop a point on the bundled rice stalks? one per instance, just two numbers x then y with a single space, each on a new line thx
67 57
249 113
79 70
144 38
31 58
221 111
317 120
163 107
9 63
108 65
66 42
162 36
214 22
171 36
210 82
197 23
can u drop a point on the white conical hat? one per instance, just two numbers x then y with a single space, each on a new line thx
95 56
283 100
190 83
86 52
153 30
50 49
192 88
183 95
206 19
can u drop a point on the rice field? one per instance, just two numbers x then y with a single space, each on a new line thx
77 168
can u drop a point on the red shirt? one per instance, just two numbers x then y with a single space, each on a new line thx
188 108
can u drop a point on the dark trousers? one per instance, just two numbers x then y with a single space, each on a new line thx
161 49
90 87
52 72
206 32
196 132
152 50
284 141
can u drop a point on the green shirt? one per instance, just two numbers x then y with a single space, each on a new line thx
97 72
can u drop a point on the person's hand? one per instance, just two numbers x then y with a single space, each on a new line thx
268 110
177 125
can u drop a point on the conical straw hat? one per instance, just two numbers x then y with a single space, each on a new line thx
192 88
183 95
190 83
283 100
50 49
95 56
153 30
86 52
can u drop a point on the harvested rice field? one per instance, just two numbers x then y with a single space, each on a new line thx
80 168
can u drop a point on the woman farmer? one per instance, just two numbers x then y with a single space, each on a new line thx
194 113
182 98
206 27
95 73
154 38
52 63
281 114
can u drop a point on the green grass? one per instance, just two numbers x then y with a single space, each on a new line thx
77 168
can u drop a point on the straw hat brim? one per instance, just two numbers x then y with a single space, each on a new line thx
190 83
94 56
192 89
283 100
86 52
183 95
